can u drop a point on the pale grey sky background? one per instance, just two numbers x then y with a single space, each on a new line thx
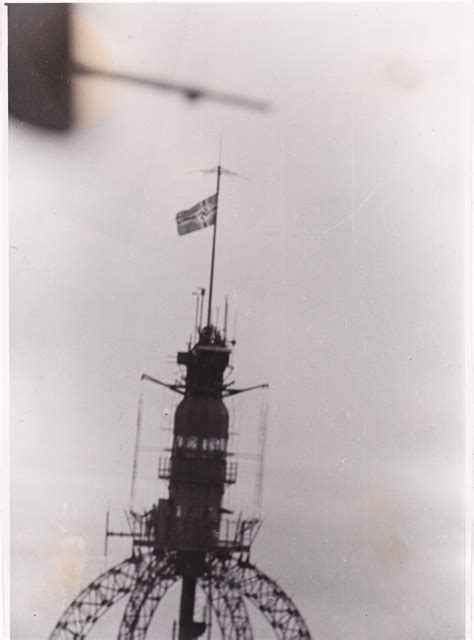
343 255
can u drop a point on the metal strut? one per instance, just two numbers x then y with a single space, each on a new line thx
270 599
96 599
227 604
147 578
148 591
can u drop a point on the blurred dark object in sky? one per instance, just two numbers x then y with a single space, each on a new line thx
41 69
39 74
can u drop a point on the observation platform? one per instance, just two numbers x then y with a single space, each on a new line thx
155 529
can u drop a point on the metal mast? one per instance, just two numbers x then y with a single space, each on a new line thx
188 536
213 255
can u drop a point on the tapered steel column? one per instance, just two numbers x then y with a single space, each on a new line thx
186 609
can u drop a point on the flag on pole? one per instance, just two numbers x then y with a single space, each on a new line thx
198 217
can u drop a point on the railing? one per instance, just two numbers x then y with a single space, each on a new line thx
198 470
164 468
231 472
163 529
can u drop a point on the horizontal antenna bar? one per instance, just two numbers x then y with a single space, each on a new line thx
174 387
234 392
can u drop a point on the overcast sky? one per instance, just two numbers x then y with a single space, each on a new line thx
343 255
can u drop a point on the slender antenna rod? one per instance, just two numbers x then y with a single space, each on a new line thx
235 326
262 440
203 293
196 318
226 311
137 449
107 518
213 256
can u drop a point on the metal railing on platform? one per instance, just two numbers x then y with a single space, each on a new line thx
160 528
195 471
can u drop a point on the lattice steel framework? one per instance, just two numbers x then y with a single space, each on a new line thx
229 581
186 536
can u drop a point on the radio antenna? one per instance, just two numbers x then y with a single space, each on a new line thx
201 310
196 316
235 325
226 311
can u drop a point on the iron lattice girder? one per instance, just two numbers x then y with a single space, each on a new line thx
228 606
227 603
147 578
92 603
268 597
146 596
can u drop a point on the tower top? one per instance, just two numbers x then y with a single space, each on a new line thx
211 336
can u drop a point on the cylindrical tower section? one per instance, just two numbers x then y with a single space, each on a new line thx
197 470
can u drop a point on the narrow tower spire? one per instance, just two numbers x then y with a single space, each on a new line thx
213 255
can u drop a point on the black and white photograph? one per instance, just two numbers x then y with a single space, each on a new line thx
238 267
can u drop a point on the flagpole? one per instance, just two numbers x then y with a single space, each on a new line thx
211 283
